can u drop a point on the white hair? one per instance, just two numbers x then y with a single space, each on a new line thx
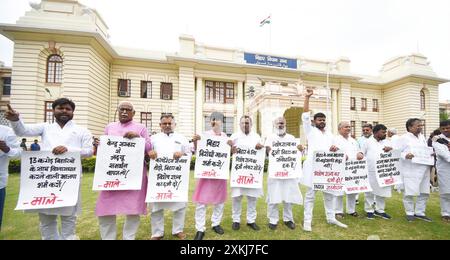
393 130
277 119
341 124
125 103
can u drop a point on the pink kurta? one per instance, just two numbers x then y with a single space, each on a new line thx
210 191
126 202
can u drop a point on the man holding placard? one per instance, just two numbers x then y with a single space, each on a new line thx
282 182
371 149
211 169
116 201
9 148
59 137
350 147
169 144
416 162
319 139
246 140
441 145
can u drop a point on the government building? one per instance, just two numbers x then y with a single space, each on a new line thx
62 49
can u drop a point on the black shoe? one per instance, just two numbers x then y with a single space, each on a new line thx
370 215
382 215
218 229
424 218
410 218
253 226
236 226
199 235
272 226
290 224
354 214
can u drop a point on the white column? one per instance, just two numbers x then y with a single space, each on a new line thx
334 110
199 106
240 105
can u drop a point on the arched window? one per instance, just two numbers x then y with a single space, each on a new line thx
54 69
422 100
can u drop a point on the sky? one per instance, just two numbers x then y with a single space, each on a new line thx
367 32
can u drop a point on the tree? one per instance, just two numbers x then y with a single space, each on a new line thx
443 116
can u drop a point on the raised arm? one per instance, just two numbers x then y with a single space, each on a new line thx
309 93
19 128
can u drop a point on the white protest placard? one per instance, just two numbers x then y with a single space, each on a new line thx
328 171
212 158
422 155
48 180
285 160
168 179
119 164
247 168
356 177
388 168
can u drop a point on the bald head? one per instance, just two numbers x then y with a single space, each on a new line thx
391 132
344 129
126 104
126 111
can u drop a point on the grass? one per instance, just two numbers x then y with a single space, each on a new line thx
18 225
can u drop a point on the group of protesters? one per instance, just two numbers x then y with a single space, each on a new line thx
65 136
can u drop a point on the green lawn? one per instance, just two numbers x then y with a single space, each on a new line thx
18 225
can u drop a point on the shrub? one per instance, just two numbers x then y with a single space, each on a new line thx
88 164
192 167
14 166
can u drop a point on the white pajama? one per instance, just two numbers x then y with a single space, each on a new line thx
158 222
328 200
200 216
237 209
49 227
350 203
108 227
420 207
370 198
273 213
445 204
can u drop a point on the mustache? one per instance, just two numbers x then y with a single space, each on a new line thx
281 131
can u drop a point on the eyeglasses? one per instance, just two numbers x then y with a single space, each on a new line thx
122 109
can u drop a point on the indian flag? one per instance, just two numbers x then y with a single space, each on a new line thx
263 22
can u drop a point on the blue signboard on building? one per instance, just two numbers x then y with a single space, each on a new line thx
268 60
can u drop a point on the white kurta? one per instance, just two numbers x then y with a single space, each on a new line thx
168 145
250 140
282 190
394 139
416 177
443 166
349 146
371 150
7 135
317 141
362 140
75 138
